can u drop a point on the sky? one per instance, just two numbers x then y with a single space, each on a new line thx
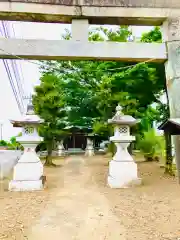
30 71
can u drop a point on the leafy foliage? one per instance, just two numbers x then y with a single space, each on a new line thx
49 105
154 35
85 93
151 145
12 144
3 143
97 86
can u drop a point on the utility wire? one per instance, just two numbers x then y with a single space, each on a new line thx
5 62
92 70
14 66
12 84
56 69
20 67
7 68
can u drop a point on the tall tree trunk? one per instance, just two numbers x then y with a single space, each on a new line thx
48 161
169 157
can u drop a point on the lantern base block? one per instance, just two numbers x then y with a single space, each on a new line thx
123 174
61 153
89 152
28 173
19 186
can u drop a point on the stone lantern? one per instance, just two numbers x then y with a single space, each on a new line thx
122 168
60 149
89 151
28 172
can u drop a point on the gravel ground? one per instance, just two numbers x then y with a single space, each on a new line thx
78 205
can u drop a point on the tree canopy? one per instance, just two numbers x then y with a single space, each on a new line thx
85 93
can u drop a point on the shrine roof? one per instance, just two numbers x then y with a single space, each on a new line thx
171 126
78 129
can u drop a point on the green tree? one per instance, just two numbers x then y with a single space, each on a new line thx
136 87
151 145
3 143
154 35
48 104
13 140
14 144
92 89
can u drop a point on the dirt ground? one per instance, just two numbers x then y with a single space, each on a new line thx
77 204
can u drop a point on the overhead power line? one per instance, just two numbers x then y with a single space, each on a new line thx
15 81
56 69
14 66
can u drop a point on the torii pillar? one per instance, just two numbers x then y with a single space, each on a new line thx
171 35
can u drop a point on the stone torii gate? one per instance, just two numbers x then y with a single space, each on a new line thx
81 13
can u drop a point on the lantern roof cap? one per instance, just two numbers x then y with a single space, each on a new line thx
121 119
30 118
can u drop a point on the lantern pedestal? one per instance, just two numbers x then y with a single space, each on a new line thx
60 149
28 172
122 169
89 152
123 174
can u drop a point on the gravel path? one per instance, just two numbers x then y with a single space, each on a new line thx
78 211
78 205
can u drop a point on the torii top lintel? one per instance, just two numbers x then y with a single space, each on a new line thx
111 12
109 3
